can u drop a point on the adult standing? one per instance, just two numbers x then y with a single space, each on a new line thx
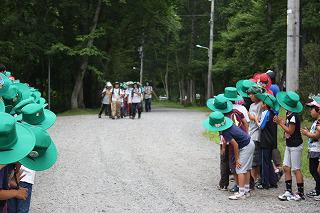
116 101
136 101
148 96
106 100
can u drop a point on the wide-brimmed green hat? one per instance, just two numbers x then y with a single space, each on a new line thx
11 93
36 115
42 101
16 141
44 154
231 94
243 86
290 101
256 89
36 95
269 100
17 108
220 103
4 84
217 122
2 106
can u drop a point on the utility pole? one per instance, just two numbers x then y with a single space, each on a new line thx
209 84
293 45
49 83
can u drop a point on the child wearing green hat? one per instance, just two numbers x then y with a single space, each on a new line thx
314 146
243 149
290 101
268 140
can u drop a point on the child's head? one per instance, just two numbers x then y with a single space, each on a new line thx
315 109
264 106
253 91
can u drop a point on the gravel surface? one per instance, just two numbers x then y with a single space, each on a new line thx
160 163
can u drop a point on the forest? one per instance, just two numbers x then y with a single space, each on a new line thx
85 43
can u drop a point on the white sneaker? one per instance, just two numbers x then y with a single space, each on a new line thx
316 198
286 196
296 197
237 196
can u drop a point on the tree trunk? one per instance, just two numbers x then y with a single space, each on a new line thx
77 93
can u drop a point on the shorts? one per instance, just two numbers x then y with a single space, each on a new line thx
292 157
256 155
246 158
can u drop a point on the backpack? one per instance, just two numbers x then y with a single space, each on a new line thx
236 116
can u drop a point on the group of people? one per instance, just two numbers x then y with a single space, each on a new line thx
25 145
247 119
125 99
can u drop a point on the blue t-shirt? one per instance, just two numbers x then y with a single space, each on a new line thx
4 180
275 89
234 132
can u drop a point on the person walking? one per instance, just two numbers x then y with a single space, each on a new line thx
116 101
106 100
148 96
136 101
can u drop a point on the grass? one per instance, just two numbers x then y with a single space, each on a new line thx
177 105
281 144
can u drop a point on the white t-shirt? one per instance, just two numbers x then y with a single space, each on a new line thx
243 110
30 175
129 94
148 92
136 98
116 94
106 98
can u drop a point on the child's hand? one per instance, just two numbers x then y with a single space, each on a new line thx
22 194
277 120
304 131
13 182
238 164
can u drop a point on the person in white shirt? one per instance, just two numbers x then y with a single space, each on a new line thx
129 98
116 101
147 97
136 101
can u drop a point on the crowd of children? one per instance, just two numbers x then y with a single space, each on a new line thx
25 145
247 119
125 99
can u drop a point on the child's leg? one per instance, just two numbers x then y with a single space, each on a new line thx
313 166
296 155
224 168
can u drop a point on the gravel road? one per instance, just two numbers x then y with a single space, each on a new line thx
161 163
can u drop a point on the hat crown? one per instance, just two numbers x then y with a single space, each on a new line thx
220 102
43 141
230 92
217 119
33 113
292 99
8 134
247 84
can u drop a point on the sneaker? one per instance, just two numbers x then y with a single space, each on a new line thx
234 189
296 197
224 188
317 197
286 196
99 116
237 196
312 193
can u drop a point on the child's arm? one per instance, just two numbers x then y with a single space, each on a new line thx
246 125
20 194
236 152
251 116
288 129
314 136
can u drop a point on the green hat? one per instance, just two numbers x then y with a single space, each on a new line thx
17 108
11 93
24 90
42 101
231 94
316 98
44 154
2 106
8 108
36 95
243 86
220 103
290 101
4 84
256 89
217 122
269 100
16 141
36 115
